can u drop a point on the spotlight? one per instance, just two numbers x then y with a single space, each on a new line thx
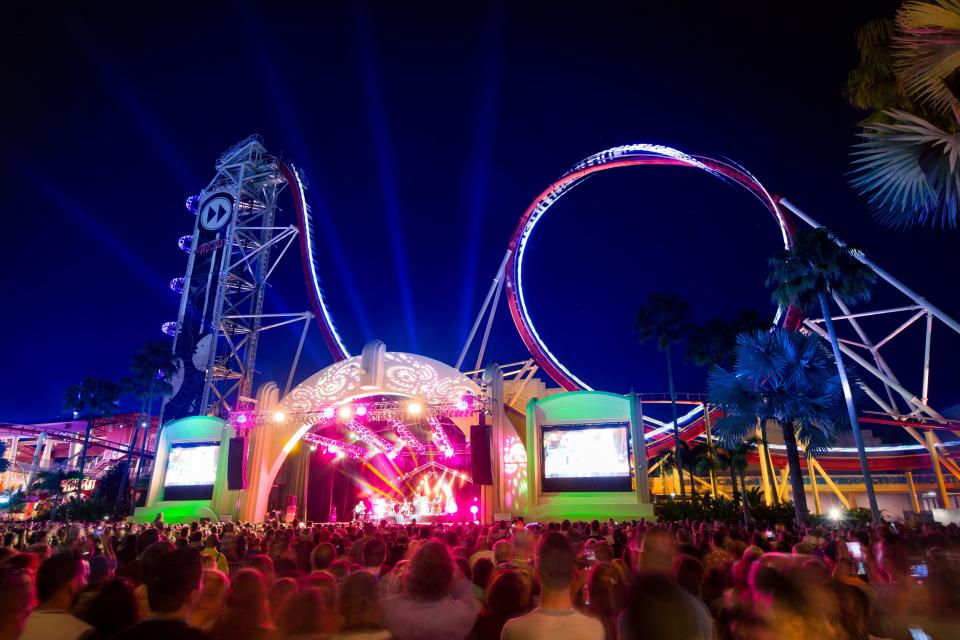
313 447
333 448
834 514
448 452
462 405
242 418
414 408
345 412
328 413
143 424
279 416
474 509
361 410
391 455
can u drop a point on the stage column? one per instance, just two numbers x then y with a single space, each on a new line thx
12 457
640 470
493 377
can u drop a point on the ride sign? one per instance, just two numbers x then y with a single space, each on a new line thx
216 211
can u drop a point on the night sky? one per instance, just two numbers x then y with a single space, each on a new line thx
425 131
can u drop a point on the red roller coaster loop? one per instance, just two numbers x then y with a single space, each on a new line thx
617 157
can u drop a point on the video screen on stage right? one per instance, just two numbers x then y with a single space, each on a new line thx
586 457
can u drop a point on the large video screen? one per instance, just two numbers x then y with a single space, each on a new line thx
586 457
191 471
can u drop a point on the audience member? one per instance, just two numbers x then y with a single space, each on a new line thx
59 580
436 605
172 592
555 617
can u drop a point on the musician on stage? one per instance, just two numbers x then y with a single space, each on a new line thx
360 512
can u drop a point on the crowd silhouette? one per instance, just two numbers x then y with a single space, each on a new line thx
592 581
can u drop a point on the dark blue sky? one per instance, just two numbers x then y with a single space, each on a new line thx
424 131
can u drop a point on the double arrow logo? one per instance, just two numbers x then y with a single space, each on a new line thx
216 211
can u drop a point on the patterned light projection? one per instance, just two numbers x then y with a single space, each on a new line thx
514 472
435 384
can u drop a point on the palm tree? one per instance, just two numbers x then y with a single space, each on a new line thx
806 275
663 319
705 463
51 483
909 77
715 343
735 458
787 377
91 399
150 373
689 460
668 463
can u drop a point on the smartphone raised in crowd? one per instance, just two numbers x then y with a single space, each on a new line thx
856 551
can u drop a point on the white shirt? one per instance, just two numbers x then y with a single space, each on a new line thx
54 624
552 624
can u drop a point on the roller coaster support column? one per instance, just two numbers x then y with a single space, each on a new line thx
764 471
38 453
495 289
935 459
833 487
811 472
782 484
913 492
706 428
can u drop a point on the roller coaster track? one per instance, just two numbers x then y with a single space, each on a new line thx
898 405
309 263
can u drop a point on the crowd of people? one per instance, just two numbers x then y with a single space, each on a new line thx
512 581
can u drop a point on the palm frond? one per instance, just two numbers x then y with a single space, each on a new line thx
909 171
873 84
663 319
927 49
731 429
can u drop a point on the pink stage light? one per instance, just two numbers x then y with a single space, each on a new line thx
328 413
360 410
462 405
474 509
448 452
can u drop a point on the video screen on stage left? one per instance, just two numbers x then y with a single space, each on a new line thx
191 471
586 457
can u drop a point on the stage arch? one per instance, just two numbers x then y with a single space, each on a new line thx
375 373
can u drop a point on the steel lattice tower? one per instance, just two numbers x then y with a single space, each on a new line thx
236 245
